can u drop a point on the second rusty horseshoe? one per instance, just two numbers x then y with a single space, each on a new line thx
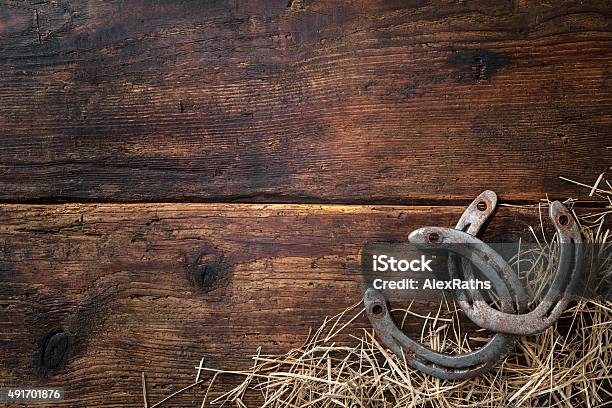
484 257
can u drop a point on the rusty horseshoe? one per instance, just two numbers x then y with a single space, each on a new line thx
487 260
442 365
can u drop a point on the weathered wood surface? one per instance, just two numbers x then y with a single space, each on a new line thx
294 101
144 287
252 100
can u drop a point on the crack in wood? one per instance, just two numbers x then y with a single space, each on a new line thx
38 26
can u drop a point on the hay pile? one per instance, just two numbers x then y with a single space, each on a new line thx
568 365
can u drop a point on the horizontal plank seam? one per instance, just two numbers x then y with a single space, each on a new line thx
594 204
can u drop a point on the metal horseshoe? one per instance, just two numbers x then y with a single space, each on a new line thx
487 260
423 358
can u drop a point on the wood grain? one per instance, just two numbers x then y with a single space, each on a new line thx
154 288
300 101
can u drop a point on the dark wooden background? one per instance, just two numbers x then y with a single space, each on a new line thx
187 179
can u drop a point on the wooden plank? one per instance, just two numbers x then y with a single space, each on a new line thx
334 101
141 287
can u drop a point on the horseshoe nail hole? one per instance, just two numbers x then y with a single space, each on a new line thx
482 206
433 237
377 310
563 220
